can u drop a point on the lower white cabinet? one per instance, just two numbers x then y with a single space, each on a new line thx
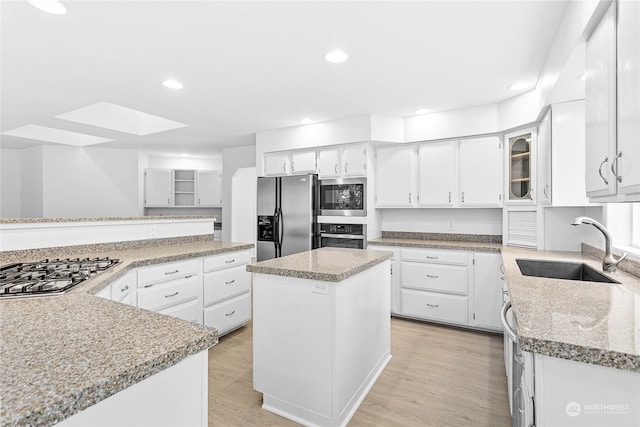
448 286
189 310
161 295
394 269
122 290
227 291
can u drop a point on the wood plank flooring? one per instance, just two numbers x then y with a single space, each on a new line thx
438 376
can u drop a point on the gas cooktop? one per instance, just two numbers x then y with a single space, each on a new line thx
49 276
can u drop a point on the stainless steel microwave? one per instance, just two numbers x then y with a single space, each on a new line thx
343 197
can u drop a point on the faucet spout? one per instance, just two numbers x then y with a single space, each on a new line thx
609 263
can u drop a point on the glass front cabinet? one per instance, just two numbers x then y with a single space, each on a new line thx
520 168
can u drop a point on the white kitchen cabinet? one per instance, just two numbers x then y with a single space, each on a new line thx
303 162
434 285
167 287
521 167
184 187
277 163
544 148
329 162
396 176
354 160
158 187
480 169
487 291
628 98
394 264
227 291
438 174
209 188
123 290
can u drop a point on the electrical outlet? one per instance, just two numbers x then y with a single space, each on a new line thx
320 288
450 225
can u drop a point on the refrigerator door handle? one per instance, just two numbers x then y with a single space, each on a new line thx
280 228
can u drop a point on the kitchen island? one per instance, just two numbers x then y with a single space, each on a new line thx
78 359
321 332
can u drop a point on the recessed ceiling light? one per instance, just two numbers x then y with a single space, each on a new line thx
50 6
520 86
423 111
306 121
582 77
336 57
172 84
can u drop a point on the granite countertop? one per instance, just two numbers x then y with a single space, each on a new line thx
324 264
589 322
62 354
436 244
98 219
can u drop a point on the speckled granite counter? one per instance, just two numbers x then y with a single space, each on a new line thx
324 264
98 219
462 242
62 354
588 322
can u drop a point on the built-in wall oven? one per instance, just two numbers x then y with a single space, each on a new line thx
353 236
343 197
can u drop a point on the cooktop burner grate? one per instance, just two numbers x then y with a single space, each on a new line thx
49 276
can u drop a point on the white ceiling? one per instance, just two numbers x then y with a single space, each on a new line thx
253 66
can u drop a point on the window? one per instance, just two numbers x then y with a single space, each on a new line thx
635 225
623 222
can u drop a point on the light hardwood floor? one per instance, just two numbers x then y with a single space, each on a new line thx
438 376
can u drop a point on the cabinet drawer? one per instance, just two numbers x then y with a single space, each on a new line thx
169 293
121 288
229 259
434 277
434 306
434 255
228 314
222 284
168 271
187 311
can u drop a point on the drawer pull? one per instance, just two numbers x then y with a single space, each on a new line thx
171 295
126 287
170 272
230 314
433 305
189 276
432 257
230 282
229 262
148 286
432 277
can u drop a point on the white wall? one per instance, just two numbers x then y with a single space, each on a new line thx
465 221
560 235
32 182
161 162
10 183
233 159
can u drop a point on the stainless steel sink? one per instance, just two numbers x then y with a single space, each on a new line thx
562 270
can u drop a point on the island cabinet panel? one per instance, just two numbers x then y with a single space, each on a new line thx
331 344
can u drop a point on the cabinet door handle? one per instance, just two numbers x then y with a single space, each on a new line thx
284 167
125 288
345 168
545 191
615 163
606 159
293 168
432 277
463 197
230 261
198 200
431 257
168 200
433 305
409 197
167 273
230 314
449 196
171 295
230 282
335 168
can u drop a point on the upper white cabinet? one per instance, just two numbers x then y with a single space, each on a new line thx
329 162
303 162
396 176
158 187
521 167
438 173
544 176
354 160
182 188
209 188
480 168
613 105
277 163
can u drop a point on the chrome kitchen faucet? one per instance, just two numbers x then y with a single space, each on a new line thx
609 262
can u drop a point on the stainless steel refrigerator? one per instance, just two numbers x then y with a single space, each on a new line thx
287 215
